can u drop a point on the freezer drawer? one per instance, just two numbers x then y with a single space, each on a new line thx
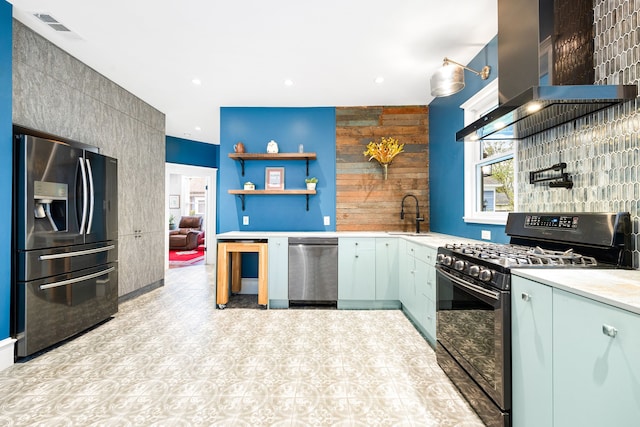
38 264
51 310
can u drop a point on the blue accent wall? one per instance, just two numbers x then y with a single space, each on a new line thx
6 167
315 128
446 155
187 152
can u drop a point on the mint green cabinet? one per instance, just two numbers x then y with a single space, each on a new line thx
596 365
356 269
405 266
278 272
387 269
575 361
417 289
408 277
531 343
426 289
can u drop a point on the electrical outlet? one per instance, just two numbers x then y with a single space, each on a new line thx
245 220
327 220
485 234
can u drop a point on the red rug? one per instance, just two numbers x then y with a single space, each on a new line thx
186 257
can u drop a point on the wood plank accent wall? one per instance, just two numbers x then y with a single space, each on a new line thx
364 200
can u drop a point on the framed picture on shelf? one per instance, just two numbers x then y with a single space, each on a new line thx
273 178
174 201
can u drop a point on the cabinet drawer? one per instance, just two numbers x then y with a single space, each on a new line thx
422 253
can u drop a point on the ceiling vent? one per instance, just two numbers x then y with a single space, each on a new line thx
51 21
55 25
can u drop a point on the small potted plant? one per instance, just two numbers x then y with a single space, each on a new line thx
172 222
311 183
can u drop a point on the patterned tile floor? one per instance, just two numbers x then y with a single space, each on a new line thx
169 358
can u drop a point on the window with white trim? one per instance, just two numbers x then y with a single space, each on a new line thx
489 185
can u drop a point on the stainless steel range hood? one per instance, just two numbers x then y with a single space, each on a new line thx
540 108
526 107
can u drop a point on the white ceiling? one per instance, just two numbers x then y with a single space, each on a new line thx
244 50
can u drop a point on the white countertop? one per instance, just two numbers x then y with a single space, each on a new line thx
433 240
620 288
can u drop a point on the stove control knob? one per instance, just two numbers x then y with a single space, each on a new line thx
447 260
474 270
459 265
485 275
439 258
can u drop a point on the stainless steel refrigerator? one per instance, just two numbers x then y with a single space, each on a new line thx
65 238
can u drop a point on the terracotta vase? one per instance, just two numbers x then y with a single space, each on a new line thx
239 147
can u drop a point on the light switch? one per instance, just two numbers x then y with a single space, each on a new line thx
327 220
245 220
485 235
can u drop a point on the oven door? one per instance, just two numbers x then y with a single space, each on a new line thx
474 326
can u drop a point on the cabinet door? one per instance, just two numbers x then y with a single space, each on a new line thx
278 268
596 366
420 276
387 269
408 285
403 273
531 343
356 271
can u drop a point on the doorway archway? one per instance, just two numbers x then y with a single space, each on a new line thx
210 175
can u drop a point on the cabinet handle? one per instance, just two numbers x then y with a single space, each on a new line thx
526 297
609 331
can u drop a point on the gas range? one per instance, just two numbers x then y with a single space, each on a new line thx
473 310
562 240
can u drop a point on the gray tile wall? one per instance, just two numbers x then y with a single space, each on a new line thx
602 151
53 92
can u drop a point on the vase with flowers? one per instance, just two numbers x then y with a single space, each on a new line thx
384 152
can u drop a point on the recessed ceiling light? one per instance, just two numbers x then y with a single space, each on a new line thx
198 128
288 82
196 82
379 80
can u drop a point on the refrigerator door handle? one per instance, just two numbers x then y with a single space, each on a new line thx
77 279
76 253
84 195
91 196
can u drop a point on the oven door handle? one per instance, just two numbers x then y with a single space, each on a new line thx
470 287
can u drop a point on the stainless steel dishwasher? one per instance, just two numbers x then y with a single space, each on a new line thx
313 271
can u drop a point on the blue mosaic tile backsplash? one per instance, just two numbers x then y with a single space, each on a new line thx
602 151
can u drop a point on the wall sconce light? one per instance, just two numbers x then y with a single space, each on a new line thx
449 79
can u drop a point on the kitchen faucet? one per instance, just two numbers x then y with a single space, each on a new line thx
419 219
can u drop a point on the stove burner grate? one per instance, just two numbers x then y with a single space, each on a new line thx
517 255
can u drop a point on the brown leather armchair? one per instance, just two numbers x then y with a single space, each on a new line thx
188 235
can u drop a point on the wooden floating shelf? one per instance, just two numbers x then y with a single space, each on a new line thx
241 157
242 193
269 192
272 156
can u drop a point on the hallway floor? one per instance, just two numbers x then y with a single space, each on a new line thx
169 358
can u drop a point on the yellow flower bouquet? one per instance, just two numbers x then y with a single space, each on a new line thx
384 151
